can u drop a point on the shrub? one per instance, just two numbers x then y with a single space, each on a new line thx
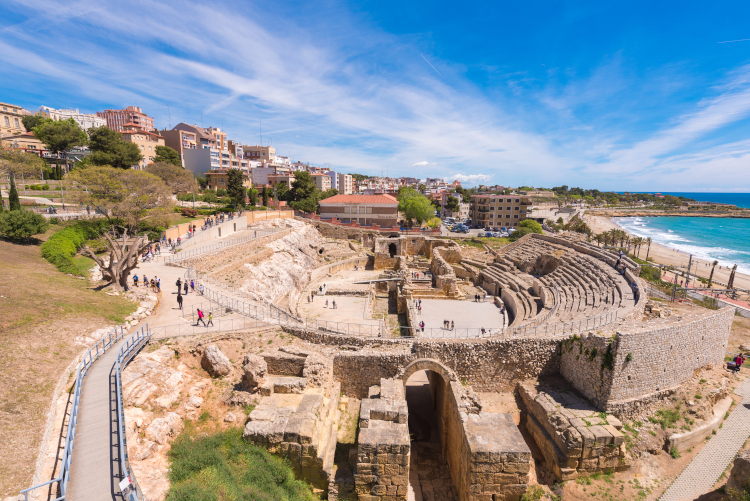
54 220
188 212
674 453
63 245
202 466
21 225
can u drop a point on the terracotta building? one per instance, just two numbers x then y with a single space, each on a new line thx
362 209
147 141
116 119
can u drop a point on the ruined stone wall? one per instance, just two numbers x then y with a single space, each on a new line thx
509 299
646 364
330 269
357 371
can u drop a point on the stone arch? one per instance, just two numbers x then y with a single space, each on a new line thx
392 250
427 364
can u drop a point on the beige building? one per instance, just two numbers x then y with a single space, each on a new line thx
322 181
265 154
180 140
220 179
499 210
362 209
10 119
345 185
26 142
117 119
147 142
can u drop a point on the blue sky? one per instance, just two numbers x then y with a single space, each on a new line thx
640 96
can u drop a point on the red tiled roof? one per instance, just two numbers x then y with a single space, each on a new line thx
360 199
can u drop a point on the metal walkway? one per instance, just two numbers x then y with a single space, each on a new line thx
706 468
95 468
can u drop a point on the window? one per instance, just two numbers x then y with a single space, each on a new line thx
369 210
18 126
7 121
515 216
518 200
346 210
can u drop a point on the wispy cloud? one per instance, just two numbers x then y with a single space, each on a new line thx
362 100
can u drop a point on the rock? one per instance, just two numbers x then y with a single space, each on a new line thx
739 478
161 429
138 422
745 347
215 362
255 370
230 417
195 401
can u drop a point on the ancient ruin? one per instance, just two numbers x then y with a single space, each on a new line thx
420 332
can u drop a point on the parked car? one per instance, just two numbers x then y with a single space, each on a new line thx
487 228
495 229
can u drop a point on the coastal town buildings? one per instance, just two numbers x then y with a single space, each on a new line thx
322 181
84 120
220 179
344 184
25 142
116 119
499 210
147 141
362 209
263 154
10 119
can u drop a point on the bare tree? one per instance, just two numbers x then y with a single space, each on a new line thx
123 257
179 180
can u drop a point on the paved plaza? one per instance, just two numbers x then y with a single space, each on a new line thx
348 309
465 315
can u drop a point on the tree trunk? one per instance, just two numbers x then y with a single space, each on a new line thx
123 258
711 276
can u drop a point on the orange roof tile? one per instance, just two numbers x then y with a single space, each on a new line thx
360 199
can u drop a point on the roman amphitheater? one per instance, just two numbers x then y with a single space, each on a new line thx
450 364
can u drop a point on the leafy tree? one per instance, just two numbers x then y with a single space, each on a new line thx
282 191
303 187
452 204
209 196
309 205
252 195
108 148
236 188
433 222
419 208
31 121
404 194
521 231
21 225
60 136
167 154
359 177
202 182
178 179
132 196
14 203
20 163
266 194
328 194
531 225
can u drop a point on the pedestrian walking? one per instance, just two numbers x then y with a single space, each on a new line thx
179 301
158 284
482 331
145 281
422 326
185 286
135 281
200 319
179 286
192 286
334 304
201 289
453 326
210 319
326 303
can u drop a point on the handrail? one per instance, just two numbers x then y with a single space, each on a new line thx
187 254
91 356
124 356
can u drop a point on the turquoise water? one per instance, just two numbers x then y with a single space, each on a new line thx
738 199
725 239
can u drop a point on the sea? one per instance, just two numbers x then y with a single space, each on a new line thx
738 199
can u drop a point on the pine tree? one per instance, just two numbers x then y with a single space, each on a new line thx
14 201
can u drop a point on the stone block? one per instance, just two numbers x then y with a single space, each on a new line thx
504 478
601 435
378 490
517 467
400 480
617 437
588 439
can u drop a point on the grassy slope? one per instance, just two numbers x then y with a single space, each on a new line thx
43 312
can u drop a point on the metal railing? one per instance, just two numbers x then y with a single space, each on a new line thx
186 254
125 354
91 356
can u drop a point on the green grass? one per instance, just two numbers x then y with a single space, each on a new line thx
83 264
223 467
666 418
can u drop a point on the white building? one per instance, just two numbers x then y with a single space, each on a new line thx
344 184
85 121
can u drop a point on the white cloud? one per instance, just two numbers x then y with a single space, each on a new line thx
470 178
421 164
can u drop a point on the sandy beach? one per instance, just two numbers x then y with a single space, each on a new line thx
665 255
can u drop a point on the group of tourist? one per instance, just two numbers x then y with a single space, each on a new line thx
200 318
479 297
415 274
738 361
334 304
150 252
154 283
449 325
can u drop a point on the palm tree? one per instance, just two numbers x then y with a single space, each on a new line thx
711 276
613 235
648 249
637 242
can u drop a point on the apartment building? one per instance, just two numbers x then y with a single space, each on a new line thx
220 179
147 141
180 140
220 138
499 210
26 141
362 209
116 119
85 121
10 119
344 184
264 154
322 181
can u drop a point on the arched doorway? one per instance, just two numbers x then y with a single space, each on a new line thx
426 385
392 250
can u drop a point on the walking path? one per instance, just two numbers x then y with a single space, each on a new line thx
706 468
95 468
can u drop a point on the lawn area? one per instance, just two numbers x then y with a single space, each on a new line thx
222 466
43 313
477 242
